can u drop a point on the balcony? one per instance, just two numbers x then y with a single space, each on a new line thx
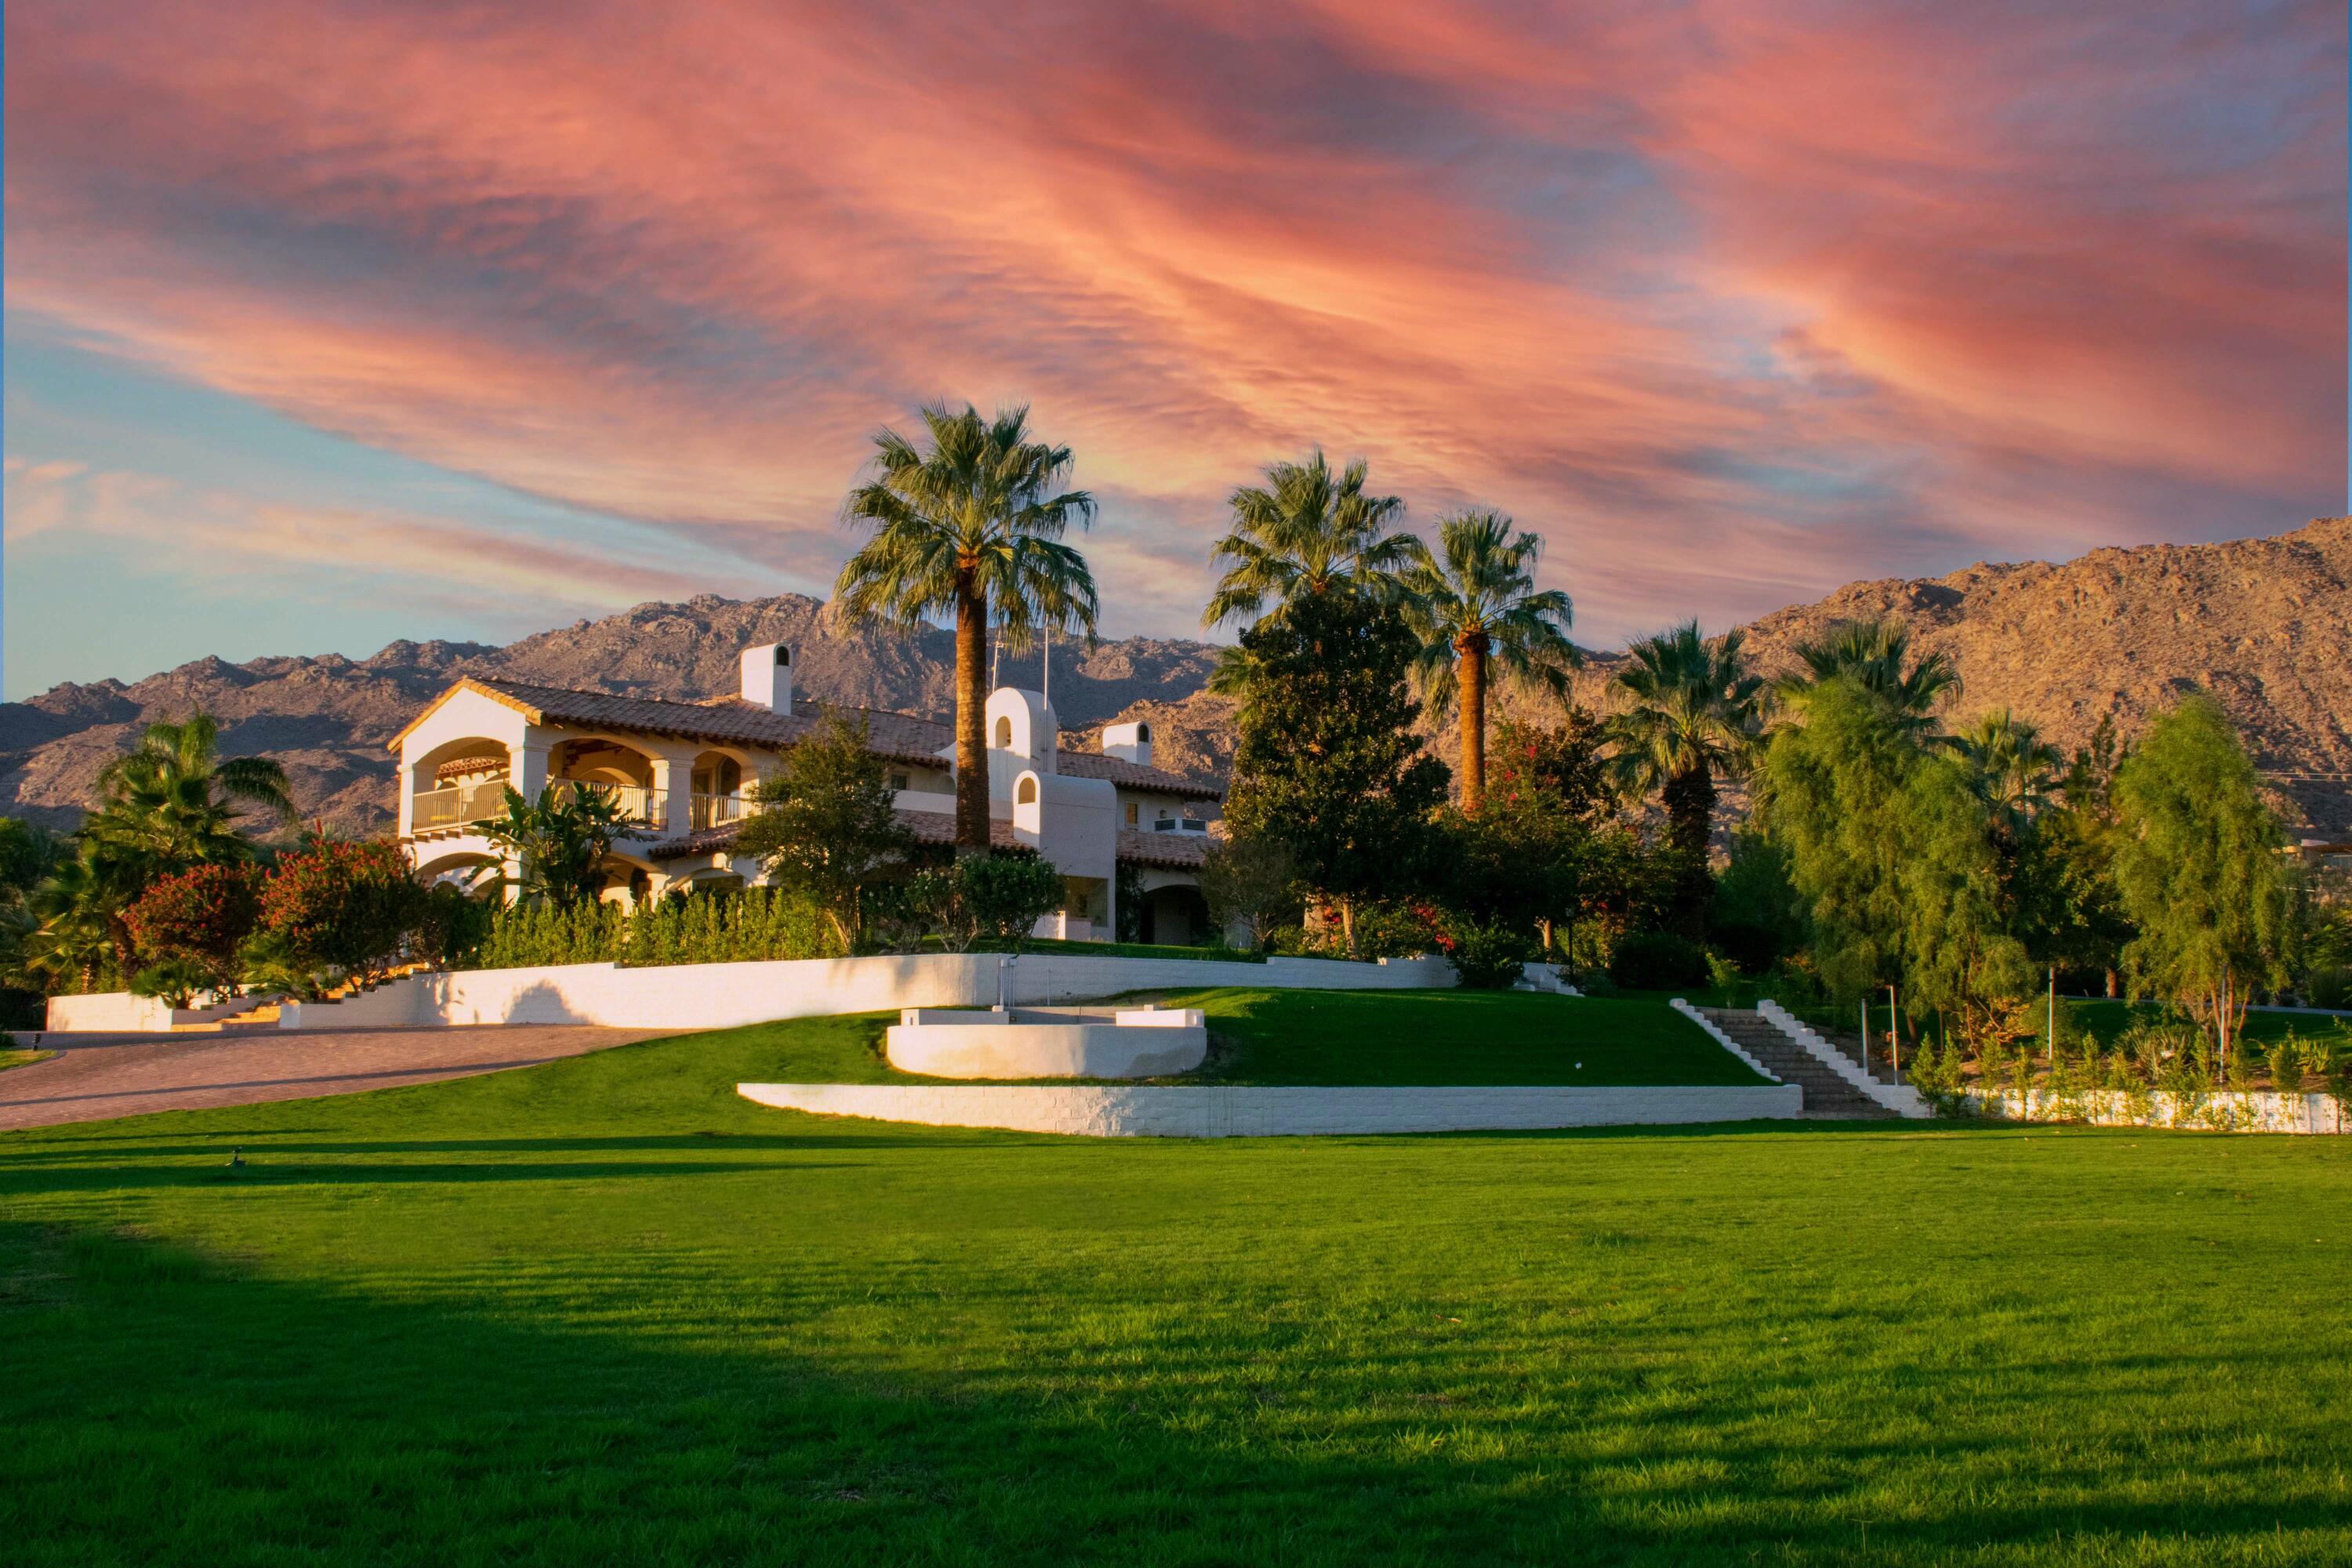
717 810
458 805
1180 824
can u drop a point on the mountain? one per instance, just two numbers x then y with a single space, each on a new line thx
2263 624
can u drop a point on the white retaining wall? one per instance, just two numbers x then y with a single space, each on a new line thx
1237 1111
110 1012
2226 1111
723 995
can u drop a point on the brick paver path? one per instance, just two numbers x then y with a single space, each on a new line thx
97 1077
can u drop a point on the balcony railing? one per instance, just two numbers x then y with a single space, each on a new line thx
454 806
717 810
1180 824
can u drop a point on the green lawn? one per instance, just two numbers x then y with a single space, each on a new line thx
605 1311
22 1058
1347 1036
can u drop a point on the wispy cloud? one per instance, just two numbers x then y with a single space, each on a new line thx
1733 301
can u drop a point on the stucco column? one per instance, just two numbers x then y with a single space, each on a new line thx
673 794
407 798
527 766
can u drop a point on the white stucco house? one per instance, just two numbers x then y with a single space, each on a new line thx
684 772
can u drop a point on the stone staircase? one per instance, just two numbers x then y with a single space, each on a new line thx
1826 1094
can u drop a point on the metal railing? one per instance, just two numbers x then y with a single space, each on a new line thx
717 810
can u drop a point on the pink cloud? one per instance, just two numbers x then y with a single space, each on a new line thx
1734 302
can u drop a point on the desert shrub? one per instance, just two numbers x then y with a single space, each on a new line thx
1487 957
2286 1065
345 908
190 926
1657 960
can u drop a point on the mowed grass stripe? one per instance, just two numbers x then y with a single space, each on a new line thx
607 1312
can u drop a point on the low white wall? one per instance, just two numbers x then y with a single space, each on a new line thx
110 1012
722 995
2227 1111
1237 1111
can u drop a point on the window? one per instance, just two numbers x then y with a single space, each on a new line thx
1004 735
1134 813
900 781
1027 793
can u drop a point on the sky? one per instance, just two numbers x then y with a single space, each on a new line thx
334 321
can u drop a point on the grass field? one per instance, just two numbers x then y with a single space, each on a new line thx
604 1311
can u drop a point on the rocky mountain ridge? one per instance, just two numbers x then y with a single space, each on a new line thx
2264 624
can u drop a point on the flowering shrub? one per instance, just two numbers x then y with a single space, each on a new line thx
192 921
341 907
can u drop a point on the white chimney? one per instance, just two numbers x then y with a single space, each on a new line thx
767 677
1132 742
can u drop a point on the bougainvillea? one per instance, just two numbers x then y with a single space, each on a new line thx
196 919
344 906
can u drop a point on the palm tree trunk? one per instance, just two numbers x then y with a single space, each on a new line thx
971 716
1472 681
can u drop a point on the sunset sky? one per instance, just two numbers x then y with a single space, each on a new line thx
332 323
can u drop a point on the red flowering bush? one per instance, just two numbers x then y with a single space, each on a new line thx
194 921
341 907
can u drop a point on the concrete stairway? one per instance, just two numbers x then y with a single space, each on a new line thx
1826 1094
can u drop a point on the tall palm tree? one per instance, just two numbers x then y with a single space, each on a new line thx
1875 654
1473 604
2016 769
1305 530
969 524
1693 714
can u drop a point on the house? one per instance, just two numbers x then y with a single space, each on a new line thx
683 772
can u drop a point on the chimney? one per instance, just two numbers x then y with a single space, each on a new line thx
767 677
1130 743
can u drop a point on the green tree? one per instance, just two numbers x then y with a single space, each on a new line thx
1476 609
171 802
1960 950
1326 764
970 525
2018 773
1832 791
1875 656
338 908
562 839
1250 883
826 826
1005 895
2201 865
1692 713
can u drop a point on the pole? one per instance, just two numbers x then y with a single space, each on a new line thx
1048 693
2054 1016
1894 1030
1865 1031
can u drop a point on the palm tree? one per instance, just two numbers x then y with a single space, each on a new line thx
971 526
167 802
2016 769
1475 603
1306 531
1693 714
1875 655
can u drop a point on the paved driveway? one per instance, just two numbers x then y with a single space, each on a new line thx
122 1075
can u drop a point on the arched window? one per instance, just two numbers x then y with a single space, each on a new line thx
1027 793
1143 731
1004 733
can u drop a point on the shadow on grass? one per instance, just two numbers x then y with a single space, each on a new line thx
182 1410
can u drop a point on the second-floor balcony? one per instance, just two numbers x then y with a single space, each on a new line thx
647 810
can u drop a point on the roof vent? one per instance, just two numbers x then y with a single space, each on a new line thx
767 677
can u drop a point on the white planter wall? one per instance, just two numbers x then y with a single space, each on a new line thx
1236 1112
2229 1111
723 995
110 1012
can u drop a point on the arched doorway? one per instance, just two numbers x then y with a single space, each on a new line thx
1176 915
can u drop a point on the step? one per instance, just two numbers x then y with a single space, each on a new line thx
1826 1094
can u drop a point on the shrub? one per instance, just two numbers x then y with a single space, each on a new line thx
190 925
1005 895
1657 960
2286 1066
174 981
1487 957
348 908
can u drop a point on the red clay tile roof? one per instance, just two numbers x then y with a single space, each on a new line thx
894 735
1176 851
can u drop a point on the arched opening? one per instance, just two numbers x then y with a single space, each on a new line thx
1026 794
1143 731
1004 733
475 875
457 783
623 774
1176 915
717 790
